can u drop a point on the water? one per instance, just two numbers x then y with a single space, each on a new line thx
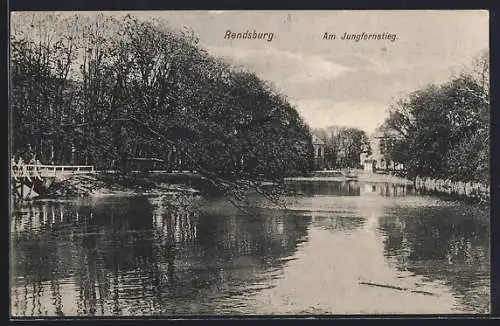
335 249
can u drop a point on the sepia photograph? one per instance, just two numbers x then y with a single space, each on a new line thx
249 163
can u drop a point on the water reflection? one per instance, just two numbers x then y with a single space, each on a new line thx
449 244
142 256
337 223
349 188
190 255
326 188
385 189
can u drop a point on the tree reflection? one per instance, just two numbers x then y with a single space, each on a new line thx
449 244
385 189
210 254
349 188
40 258
325 188
143 255
337 222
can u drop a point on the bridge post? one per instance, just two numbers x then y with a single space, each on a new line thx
26 175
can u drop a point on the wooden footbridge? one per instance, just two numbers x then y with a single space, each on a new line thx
31 180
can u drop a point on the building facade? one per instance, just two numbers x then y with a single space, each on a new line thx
319 153
380 144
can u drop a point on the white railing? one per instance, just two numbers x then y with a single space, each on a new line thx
33 170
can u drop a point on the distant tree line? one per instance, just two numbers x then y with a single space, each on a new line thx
104 90
442 131
343 146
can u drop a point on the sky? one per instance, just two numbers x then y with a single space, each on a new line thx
342 82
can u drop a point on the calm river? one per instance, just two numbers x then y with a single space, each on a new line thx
336 248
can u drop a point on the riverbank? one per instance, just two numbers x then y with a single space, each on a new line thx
114 184
472 190
110 183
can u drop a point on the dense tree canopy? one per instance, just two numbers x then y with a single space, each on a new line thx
443 130
343 146
102 90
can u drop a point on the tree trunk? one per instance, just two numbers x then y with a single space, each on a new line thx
169 160
52 152
73 153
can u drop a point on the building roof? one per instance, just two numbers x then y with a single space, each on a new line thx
317 141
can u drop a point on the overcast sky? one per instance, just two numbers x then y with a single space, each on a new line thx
335 82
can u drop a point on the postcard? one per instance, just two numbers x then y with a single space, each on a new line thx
233 163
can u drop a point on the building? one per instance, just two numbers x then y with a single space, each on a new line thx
319 153
380 144
368 162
